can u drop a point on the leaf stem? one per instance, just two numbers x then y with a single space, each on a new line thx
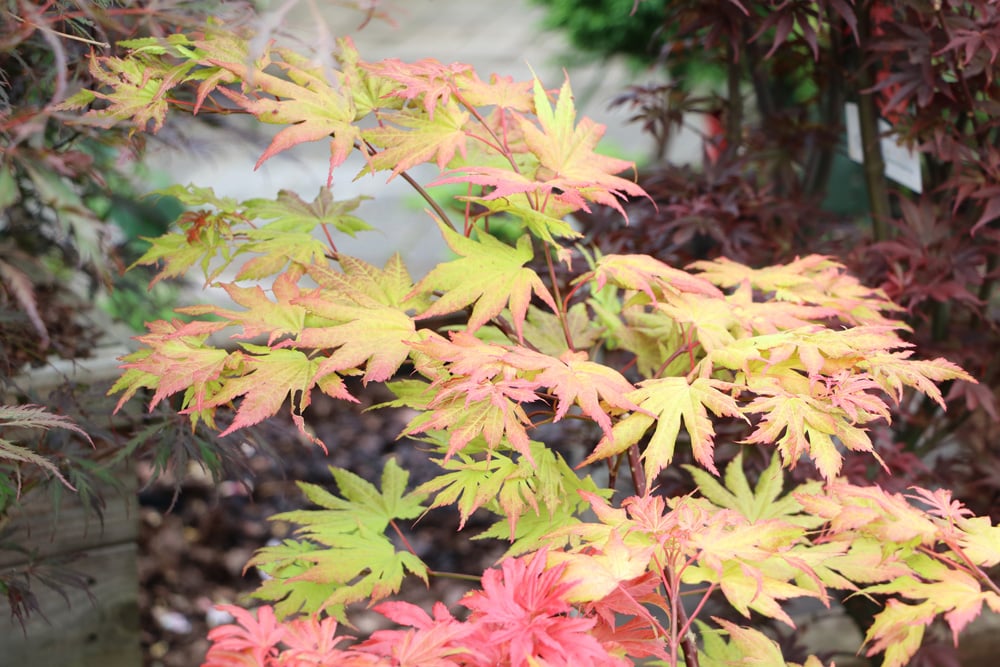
635 467
563 320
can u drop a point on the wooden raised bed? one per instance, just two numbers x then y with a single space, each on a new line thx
95 628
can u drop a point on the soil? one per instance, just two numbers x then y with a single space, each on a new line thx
194 546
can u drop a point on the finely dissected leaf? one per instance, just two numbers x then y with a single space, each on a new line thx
490 274
666 402
33 417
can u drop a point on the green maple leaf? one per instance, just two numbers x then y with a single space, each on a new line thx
666 402
366 309
269 377
291 234
490 274
755 504
263 316
311 107
344 553
508 486
546 225
418 139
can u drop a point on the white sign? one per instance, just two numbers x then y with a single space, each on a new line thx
901 164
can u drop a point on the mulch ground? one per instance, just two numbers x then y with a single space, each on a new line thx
193 547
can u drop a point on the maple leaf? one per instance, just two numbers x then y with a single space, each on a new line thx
490 274
138 90
269 377
813 279
568 172
505 485
545 225
378 338
802 424
441 641
426 79
594 576
311 107
736 494
522 615
467 409
573 379
744 642
666 402
501 91
263 316
895 370
648 275
344 547
175 360
438 137
290 235
898 630
250 638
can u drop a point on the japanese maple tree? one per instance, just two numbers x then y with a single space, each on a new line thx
486 348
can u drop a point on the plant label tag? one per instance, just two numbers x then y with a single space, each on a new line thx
901 164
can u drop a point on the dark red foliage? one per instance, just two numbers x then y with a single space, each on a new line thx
764 192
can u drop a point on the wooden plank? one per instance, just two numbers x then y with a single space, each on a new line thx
103 632
72 528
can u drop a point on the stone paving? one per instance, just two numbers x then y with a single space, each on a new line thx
504 37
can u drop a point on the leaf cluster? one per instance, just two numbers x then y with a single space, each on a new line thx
486 349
